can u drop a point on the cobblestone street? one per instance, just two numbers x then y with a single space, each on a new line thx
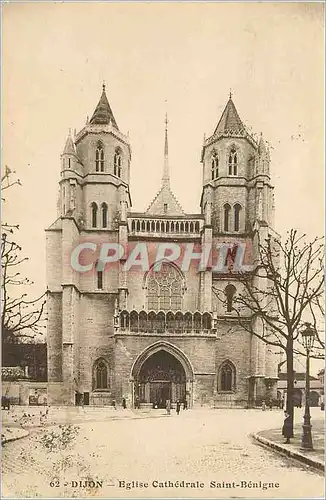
204 447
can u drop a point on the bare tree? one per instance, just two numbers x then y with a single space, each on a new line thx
20 316
283 291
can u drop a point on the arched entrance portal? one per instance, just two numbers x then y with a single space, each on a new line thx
160 373
161 377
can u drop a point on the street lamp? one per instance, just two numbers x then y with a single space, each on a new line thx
308 337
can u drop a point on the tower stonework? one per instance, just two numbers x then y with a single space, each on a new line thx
149 335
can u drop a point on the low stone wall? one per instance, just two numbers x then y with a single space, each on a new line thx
25 392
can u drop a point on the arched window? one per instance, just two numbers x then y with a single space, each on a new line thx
94 214
142 321
117 162
233 162
160 322
197 322
215 167
237 210
104 209
178 322
229 293
134 321
188 322
99 158
227 210
207 321
164 288
170 322
227 377
124 320
100 280
101 375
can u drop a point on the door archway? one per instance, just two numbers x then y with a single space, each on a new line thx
161 372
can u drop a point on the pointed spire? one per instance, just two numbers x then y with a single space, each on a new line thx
261 145
230 122
103 113
166 175
69 148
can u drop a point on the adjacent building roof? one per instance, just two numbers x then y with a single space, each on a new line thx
103 114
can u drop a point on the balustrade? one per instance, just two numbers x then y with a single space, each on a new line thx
138 225
163 322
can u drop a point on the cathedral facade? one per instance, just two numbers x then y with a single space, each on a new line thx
159 333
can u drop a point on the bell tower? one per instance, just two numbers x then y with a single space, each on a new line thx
105 154
238 206
236 177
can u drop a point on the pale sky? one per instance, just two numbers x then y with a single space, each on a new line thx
56 56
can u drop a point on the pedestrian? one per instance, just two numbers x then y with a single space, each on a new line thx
137 404
114 405
124 405
286 430
270 404
168 406
185 404
282 403
178 407
263 405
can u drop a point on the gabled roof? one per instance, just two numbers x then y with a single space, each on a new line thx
165 197
230 122
103 114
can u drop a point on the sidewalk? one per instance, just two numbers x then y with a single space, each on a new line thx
12 433
273 439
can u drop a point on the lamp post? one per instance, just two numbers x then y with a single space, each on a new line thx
308 337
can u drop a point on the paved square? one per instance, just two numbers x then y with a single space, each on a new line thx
211 449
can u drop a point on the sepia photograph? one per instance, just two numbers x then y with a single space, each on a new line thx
162 250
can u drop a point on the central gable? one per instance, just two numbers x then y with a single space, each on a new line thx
165 203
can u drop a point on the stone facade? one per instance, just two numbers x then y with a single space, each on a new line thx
152 335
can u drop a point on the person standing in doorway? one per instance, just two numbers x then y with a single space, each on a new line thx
178 407
124 405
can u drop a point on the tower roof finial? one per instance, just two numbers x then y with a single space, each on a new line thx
103 85
230 95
